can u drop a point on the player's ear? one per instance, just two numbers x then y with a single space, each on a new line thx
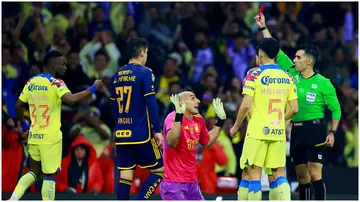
309 61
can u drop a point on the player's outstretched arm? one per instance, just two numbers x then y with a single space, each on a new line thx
244 109
220 113
70 98
173 136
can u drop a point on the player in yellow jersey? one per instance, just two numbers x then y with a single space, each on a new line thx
44 94
267 89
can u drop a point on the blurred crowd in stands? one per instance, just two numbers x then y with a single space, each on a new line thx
205 46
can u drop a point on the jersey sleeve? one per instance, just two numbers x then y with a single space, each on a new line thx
284 61
204 134
114 104
293 92
249 83
61 88
148 83
331 100
24 94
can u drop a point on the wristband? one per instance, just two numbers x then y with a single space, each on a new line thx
93 88
178 117
220 123
262 29
333 131
25 126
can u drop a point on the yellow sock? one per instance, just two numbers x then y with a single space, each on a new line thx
24 183
283 189
255 191
273 191
48 189
243 190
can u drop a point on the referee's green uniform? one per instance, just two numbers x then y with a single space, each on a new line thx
309 129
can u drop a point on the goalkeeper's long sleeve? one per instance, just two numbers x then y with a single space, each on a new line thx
153 110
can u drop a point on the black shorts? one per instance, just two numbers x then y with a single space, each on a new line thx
305 141
146 155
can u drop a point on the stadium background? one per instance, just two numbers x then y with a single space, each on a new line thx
207 46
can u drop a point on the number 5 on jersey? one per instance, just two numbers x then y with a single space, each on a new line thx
120 91
273 109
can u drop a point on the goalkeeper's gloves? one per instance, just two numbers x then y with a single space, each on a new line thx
219 111
219 108
180 110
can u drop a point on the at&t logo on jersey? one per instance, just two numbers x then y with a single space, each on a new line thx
266 131
267 80
33 87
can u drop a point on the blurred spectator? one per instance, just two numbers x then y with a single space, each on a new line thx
206 168
99 23
92 128
13 153
75 75
242 55
224 140
80 171
203 55
107 162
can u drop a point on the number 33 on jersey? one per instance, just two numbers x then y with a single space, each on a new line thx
43 94
271 88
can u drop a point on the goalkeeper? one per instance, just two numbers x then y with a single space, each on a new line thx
183 130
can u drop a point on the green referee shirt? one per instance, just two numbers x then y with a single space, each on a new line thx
313 93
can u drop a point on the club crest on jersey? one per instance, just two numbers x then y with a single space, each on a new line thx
310 97
196 128
267 80
192 129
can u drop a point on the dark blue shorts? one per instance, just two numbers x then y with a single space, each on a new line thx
146 155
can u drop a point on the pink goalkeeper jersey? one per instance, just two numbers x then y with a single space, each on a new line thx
180 162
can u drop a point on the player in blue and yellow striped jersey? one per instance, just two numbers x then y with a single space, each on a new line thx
44 93
135 109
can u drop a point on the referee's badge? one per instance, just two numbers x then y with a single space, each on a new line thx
310 97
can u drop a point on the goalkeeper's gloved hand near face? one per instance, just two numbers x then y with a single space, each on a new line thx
219 108
175 100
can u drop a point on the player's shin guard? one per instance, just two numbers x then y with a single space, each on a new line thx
243 190
24 183
273 191
48 189
283 192
305 192
319 190
150 185
255 190
123 189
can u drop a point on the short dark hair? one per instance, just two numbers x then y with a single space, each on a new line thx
270 46
310 50
135 46
102 52
50 55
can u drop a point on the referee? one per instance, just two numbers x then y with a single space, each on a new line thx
309 135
